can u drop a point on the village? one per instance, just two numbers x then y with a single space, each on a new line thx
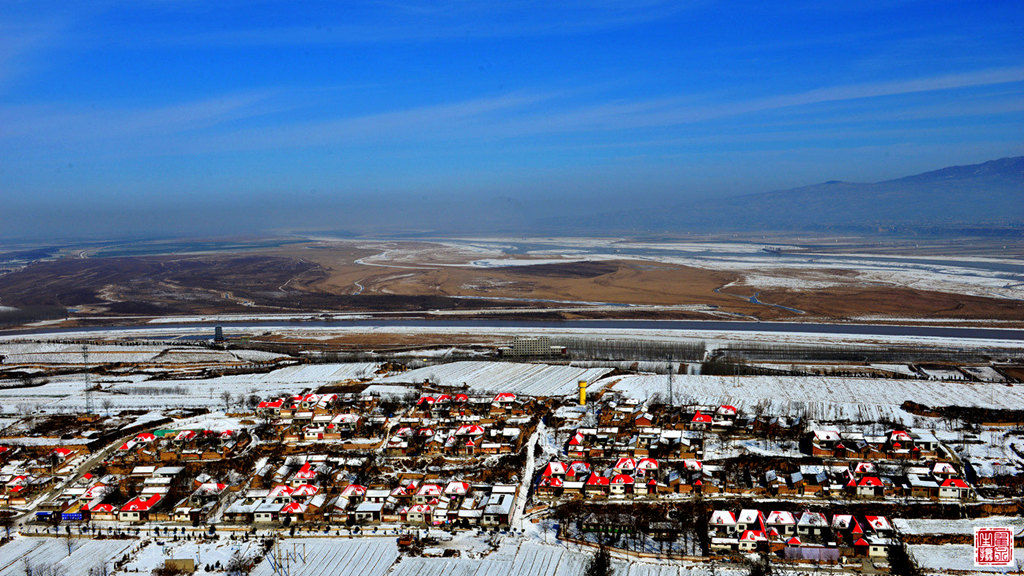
593 465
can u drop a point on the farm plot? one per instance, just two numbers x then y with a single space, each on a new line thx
984 373
195 355
66 393
534 559
964 526
41 553
494 377
57 353
952 557
529 559
315 374
216 553
326 556
824 398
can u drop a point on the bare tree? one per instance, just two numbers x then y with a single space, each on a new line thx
69 539
107 404
226 397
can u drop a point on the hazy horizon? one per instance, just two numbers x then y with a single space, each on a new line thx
190 118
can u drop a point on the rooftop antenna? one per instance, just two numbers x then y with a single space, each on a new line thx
88 386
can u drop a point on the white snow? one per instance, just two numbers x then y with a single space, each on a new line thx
943 557
41 552
964 526
494 377
329 556
824 398
152 554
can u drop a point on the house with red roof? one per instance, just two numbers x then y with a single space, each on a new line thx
954 489
620 485
701 421
139 509
870 486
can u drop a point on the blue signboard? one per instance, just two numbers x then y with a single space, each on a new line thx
72 516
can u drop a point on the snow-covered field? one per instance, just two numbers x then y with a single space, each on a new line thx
59 353
531 558
528 559
942 557
152 554
68 353
494 377
824 398
40 553
964 526
330 556
66 393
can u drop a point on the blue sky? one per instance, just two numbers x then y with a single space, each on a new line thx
114 111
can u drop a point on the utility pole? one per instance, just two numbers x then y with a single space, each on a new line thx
88 386
671 381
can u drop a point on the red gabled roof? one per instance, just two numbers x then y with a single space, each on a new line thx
870 481
647 464
698 417
625 464
622 479
353 489
861 542
596 480
553 469
552 481
954 483
140 504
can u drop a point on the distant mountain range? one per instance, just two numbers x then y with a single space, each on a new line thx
954 198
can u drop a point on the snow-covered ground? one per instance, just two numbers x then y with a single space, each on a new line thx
964 526
943 557
494 377
330 556
67 393
214 553
824 398
41 553
71 353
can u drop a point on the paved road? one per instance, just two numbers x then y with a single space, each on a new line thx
184 329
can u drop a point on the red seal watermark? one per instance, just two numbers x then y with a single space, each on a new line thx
993 546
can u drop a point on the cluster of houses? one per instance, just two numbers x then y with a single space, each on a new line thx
898 463
799 536
24 478
169 445
454 504
435 424
631 413
895 444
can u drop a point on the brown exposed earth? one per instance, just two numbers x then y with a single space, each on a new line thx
318 277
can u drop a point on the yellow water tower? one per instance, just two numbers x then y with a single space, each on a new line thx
583 392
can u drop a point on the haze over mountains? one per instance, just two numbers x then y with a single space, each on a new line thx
986 198
990 194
